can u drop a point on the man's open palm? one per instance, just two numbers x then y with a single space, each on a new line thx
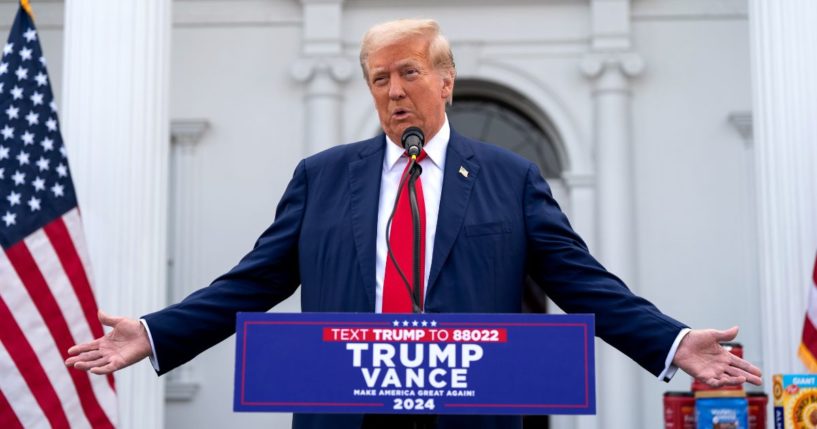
701 356
125 345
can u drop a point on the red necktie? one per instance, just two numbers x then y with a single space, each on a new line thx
396 297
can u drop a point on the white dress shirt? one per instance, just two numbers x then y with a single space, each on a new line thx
432 178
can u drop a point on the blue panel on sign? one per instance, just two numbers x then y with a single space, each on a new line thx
415 363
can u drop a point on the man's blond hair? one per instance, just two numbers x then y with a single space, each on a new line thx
391 32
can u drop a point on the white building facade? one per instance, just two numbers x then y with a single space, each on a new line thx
658 123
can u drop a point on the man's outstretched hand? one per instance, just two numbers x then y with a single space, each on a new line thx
125 345
700 355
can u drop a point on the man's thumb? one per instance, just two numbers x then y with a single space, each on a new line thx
108 320
727 335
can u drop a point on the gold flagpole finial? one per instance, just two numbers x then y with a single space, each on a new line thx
27 7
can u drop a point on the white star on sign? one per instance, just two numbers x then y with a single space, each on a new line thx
25 54
413 323
405 323
39 184
32 118
30 35
47 144
42 163
8 132
19 177
22 158
57 190
396 323
14 198
36 98
34 203
28 138
51 124
4 152
9 218
424 323
22 73
4 67
41 79
12 112
433 323
17 92
9 48
62 170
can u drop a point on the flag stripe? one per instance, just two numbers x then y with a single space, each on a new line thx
61 288
42 343
73 224
32 278
27 362
23 403
8 420
71 262
72 265
810 336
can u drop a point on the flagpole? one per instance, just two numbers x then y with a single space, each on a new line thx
26 5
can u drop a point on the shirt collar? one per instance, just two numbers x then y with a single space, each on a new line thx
435 149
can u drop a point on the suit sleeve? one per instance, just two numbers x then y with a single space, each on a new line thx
263 278
559 261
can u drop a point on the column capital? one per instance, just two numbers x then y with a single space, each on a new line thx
595 64
188 131
305 69
742 121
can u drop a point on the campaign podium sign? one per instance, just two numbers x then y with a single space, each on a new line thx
415 363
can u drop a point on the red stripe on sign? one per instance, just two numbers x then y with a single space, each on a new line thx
29 366
8 420
29 273
60 239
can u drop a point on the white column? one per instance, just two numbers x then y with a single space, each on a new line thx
619 395
182 384
323 69
115 95
784 62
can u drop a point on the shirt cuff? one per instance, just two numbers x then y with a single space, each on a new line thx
153 359
670 369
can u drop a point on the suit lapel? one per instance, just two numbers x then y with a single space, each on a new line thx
364 183
456 192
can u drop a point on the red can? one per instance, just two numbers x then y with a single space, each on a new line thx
679 410
758 401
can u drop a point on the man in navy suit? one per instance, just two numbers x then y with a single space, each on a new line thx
491 221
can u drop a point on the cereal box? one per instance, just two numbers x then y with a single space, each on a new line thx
795 401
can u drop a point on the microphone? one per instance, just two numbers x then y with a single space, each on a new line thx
413 140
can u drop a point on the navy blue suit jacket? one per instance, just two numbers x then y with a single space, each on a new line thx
495 226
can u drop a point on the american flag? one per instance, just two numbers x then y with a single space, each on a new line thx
808 344
46 301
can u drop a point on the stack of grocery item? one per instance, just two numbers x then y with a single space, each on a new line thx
795 401
704 407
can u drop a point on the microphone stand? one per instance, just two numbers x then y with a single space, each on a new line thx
414 174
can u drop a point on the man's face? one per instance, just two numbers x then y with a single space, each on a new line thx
407 90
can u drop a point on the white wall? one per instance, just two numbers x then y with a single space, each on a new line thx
696 230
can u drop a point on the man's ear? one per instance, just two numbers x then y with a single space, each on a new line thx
448 85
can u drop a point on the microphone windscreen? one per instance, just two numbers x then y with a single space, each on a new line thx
413 139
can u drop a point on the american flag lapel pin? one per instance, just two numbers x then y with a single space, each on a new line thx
464 172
